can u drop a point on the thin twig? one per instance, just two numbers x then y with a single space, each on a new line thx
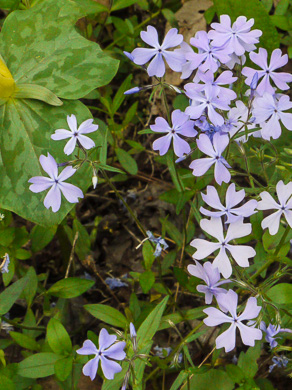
71 255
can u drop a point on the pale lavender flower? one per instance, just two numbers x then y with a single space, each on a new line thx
76 134
271 331
268 112
209 56
240 253
5 264
232 199
268 71
181 125
214 150
211 277
234 59
238 37
216 317
106 353
279 361
157 67
160 243
225 78
284 207
115 283
56 182
206 100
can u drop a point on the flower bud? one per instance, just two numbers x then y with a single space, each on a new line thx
94 181
7 84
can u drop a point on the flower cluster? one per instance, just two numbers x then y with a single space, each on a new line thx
56 181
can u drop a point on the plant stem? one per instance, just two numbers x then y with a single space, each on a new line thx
17 325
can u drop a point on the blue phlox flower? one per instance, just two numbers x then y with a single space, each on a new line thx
76 134
56 183
227 339
271 331
157 66
279 361
108 351
211 276
160 243
115 283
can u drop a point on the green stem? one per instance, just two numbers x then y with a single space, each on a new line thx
271 261
138 27
17 325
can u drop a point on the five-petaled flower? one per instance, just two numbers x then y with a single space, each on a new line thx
108 351
269 111
181 125
56 183
75 134
232 199
214 150
284 207
248 333
211 277
156 67
238 38
268 71
240 253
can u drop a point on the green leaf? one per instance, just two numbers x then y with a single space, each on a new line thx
10 295
145 335
31 287
83 242
281 293
9 4
41 236
6 383
127 161
91 6
21 145
63 368
107 314
282 7
58 338
281 22
148 255
55 55
251 9
119 96
185 315
235 373
182 376
25 341
212 379
119 4
146 280
33 91
39 365
70 287
248 361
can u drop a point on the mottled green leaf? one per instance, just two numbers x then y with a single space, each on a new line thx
35 123
41 46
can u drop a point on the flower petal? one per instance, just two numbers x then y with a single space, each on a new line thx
88 348
109 367
204 248
201 166
105 339
227 339
53 198
249 334
251 310
72 123
70 146
40 183
86 142
215 317
71 192
66 173
49 165
116 351
156 66
162 144
61 134
90 368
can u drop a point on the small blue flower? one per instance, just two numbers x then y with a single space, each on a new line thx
5 264
160 243
279 361
115 283
271 331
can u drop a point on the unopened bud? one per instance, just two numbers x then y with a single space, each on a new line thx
94 181
132 90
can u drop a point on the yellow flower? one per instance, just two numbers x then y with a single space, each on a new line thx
7 84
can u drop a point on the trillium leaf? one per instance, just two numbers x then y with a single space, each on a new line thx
42 46
28 126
